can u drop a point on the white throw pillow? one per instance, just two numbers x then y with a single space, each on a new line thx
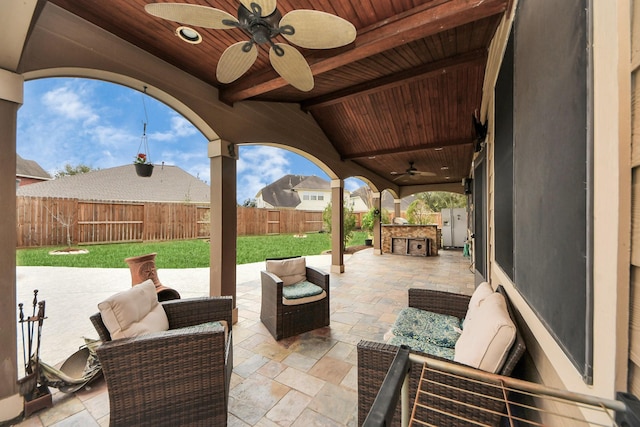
486 339
134 312
483 290
290 271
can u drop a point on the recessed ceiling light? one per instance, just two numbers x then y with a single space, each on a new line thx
189 35
447 177
439 148
444 168
372 157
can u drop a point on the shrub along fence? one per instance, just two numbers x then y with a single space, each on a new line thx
48 221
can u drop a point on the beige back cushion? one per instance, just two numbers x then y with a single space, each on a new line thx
134 312
290 271
487 338
483 290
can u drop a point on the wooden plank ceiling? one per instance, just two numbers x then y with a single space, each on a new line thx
404 91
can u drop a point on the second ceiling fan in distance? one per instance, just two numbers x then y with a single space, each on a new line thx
410 173
262 21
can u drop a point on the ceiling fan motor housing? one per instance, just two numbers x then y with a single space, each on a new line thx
260 28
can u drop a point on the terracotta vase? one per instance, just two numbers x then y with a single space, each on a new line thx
144 169
143 267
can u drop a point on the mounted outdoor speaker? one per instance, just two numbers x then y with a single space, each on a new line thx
467 184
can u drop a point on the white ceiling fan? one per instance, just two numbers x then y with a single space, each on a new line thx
411 172
262 22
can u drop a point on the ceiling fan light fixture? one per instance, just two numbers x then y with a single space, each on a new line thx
188 35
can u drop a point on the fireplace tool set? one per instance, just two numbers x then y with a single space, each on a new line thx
32 386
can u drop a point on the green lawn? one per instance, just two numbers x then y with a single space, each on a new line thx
183 253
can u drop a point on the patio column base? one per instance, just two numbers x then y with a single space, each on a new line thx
337 268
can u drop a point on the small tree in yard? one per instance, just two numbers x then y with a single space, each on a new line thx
419 212
349 222
66 220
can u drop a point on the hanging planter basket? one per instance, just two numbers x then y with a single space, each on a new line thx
144 169
142 162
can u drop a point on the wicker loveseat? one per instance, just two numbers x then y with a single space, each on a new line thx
176 377
374 360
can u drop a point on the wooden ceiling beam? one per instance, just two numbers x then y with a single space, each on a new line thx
396 32
433 69
405 149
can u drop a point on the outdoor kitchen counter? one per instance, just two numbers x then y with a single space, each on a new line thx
407 239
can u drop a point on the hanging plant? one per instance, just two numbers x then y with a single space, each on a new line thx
143 165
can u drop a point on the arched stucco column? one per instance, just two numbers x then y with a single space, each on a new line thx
376 199
11 97
222 244
337 225
397 212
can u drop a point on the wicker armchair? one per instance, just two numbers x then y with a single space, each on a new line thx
374 360
176 377
285 321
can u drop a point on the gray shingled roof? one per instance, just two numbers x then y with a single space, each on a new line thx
281 193
30 169
166 184
313 183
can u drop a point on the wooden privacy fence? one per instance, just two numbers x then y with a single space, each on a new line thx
255 222
48 221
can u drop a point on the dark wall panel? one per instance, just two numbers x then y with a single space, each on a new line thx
550 169
503 172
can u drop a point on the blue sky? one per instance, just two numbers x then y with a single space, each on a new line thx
99 124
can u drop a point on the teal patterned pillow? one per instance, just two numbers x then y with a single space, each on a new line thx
424 347
302 289
438 329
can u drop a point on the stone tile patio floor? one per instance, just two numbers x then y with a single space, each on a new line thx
311 379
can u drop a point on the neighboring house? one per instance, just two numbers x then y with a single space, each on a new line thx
314 193
388 201
166 184
29 172
300 192
280 193
357 203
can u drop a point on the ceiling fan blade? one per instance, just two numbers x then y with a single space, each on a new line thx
235 61
267 6
424 173
292 66
191 14
315 29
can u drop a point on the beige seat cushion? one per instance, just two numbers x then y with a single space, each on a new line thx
290 271
486 338
134 312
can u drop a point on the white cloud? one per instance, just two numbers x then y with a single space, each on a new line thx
67 101
353 184
181 127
